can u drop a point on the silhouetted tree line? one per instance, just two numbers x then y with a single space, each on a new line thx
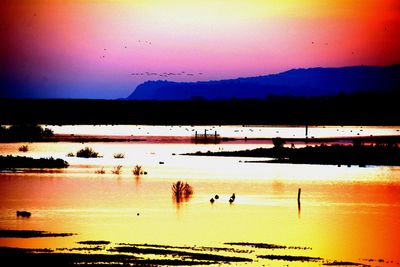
364 108
24 133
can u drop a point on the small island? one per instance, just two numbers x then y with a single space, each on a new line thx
356 154
13 162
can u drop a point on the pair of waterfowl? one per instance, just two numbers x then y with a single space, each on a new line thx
231 199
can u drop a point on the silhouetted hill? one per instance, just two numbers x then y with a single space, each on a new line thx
295 82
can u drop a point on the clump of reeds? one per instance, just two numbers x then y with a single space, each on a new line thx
119 155
70 154
117 169
181 191
24 148
87 152
138 170
100 171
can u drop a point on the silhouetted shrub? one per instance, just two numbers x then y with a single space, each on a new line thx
87 152
23 148
278 142
181 191
100 171
117 169
138 170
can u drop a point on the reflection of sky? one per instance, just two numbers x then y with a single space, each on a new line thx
89 49
347 213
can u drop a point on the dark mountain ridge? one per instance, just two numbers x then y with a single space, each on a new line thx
295 82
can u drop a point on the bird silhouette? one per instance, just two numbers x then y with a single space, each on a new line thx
232 198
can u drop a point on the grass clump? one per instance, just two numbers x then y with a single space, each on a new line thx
117 169
100 171
138 170
119 155
24 148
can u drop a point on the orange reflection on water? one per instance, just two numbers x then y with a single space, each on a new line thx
346 213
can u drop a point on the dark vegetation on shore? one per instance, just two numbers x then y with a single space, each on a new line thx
363 108
11 162
24 133
30 234
356 154
290 258
343 263
102 253
183 254
266 246
32 257
94 242
196 248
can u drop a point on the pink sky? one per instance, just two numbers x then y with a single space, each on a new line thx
58 46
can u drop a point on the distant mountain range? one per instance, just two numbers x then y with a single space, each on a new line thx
295 82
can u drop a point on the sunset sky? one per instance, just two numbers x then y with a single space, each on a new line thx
90 49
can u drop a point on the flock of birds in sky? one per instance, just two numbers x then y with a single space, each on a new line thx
165 74
183 73
159 74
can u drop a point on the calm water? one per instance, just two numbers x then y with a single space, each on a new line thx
347 213
227 131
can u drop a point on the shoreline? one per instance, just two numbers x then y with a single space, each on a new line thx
74 138
107 253
379 154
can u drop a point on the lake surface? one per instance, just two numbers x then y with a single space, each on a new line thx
347 213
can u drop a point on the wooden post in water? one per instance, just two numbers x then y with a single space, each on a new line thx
215 137
298 197
195 136
205 136
306 131
299 203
